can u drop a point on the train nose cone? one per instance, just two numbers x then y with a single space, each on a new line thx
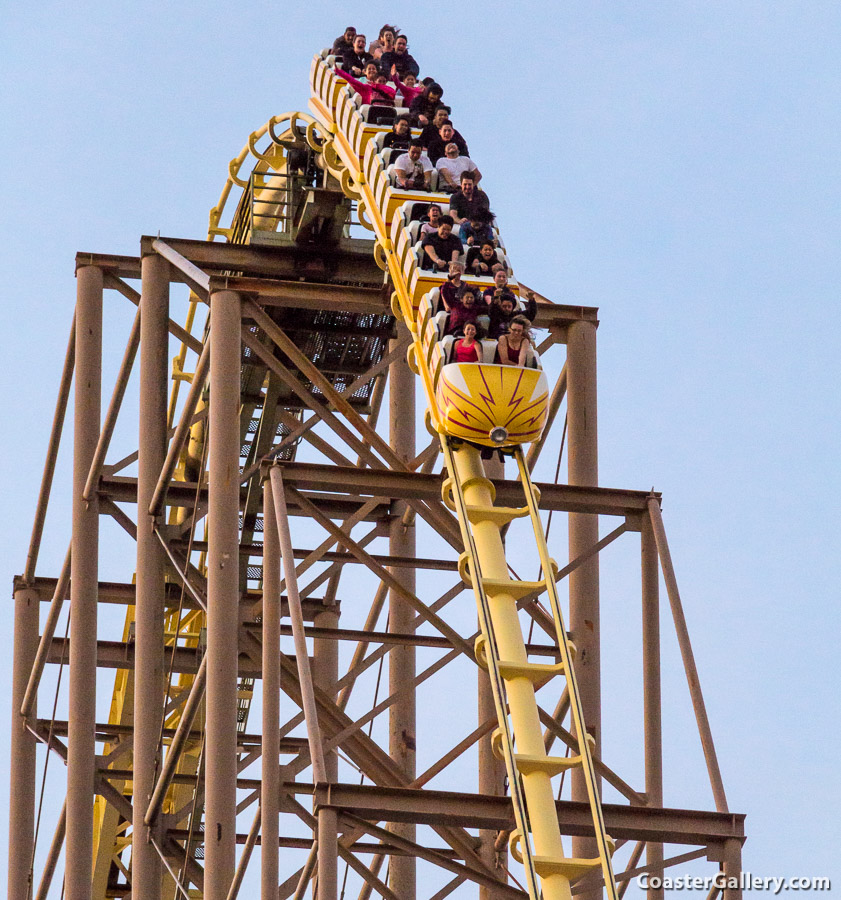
498 435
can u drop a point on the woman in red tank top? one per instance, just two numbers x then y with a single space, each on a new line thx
512 348
468 349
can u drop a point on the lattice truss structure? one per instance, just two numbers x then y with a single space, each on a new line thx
299 699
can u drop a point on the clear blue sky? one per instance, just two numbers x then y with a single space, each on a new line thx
674 164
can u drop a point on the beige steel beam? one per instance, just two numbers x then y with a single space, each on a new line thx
434 513
109 731
555 400
53 855
222 594
22 750
440 520
365 753
58 594
182 734
83 600
633 861
340 556
193 275
432 807
362 645
281 524
687 656
270 780
149 672
583 463
182 432
419 486
384 575
303 295
123 594
52 455
402 725
320 552
287 842
276 262
319 479
414 851
114 283
300 429
114 407
652 731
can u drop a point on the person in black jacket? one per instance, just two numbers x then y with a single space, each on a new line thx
355 59
504 308
344 41
399 137
424 106
446 135
400 59
430 132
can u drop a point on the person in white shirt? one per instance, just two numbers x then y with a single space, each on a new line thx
451 166
413 170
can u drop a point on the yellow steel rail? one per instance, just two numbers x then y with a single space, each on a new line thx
351 157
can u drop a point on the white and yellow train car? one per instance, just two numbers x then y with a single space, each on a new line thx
483 402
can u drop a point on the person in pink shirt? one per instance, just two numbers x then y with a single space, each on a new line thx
410 87
468 349
373 93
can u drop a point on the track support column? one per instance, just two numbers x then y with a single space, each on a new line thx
328 854
270 783
733 869
222 594
22 752
583 455
491 769
401 664
325 673
651 689
149 669
81 746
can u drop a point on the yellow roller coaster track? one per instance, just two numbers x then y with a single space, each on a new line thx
351 155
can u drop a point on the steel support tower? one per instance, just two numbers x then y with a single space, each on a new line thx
293 545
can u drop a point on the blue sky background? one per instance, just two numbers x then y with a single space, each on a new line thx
674 164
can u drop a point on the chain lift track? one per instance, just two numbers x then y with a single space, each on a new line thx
501 648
